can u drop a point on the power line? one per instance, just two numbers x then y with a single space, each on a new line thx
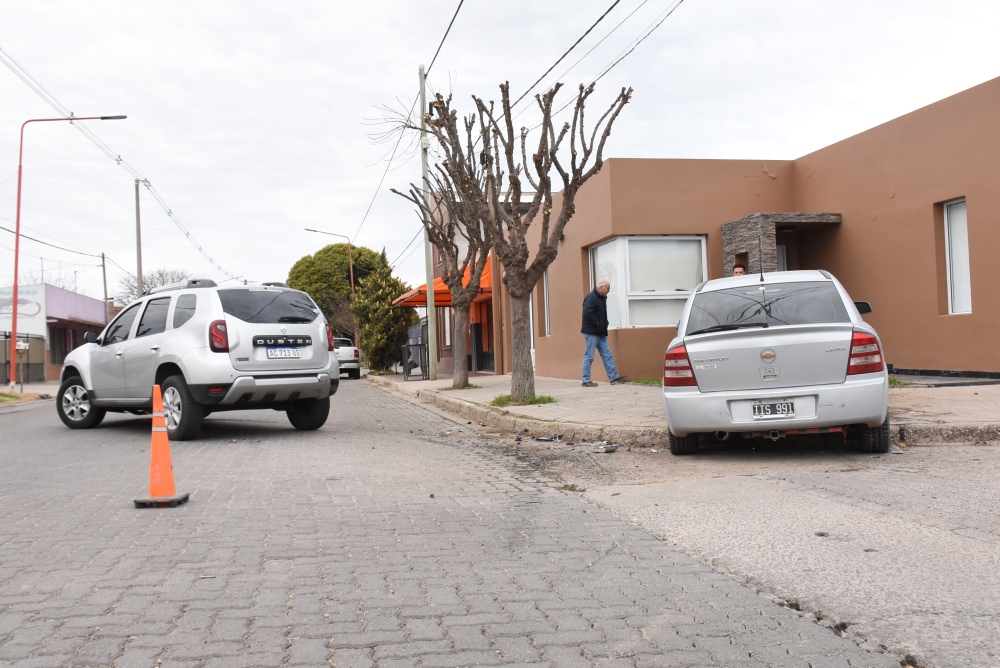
455 16
392 157
393 263
599 19
51 100
45 243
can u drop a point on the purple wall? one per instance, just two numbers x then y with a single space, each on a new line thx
67 305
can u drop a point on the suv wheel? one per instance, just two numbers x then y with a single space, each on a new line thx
74 407
876 439
683 445
182 413
308 414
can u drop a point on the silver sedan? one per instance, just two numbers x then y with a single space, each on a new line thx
775 354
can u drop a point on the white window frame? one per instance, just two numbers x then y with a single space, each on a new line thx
545 296
621 280
957 260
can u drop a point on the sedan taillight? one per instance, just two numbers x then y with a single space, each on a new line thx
866 355
218 337
677 368
329 337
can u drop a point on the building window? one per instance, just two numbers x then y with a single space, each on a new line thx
57 344
651 277
956 240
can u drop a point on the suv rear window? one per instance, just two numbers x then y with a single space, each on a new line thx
268 305
775 304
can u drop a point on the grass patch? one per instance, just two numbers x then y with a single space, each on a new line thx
504 400
896 382
646 381
4 397
470 386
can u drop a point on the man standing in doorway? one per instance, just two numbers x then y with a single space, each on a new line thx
595 334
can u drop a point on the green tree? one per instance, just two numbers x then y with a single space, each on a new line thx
381 326
326 277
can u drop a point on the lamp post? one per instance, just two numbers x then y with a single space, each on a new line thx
17 226
350 262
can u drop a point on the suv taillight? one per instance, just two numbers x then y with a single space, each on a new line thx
866 356
677 368
357 354
329 337
218 337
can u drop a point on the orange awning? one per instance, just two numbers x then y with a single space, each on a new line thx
442 295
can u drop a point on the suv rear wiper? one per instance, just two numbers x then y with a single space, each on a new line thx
726 328
293 318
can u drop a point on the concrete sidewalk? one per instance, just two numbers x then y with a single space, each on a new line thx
927 411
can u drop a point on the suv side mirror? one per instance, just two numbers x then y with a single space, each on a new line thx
90 337
863 307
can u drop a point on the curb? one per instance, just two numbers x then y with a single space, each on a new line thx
503 421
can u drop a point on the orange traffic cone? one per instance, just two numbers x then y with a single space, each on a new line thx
161 470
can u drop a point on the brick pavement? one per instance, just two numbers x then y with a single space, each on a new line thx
389 538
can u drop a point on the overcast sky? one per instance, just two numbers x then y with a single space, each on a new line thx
254 120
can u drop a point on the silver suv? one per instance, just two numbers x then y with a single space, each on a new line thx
210 348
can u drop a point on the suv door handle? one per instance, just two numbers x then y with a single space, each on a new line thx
154 348
119 354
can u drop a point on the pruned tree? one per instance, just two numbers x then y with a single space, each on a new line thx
128 289
491 190
453 221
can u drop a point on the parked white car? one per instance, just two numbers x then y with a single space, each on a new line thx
775 354
348 356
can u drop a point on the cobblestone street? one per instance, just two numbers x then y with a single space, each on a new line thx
376 541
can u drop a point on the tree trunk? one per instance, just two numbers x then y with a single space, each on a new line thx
460 347
522 381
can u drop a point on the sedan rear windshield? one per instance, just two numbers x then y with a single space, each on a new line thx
268 305
767 305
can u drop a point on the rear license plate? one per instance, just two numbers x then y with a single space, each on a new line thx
279 353
763 410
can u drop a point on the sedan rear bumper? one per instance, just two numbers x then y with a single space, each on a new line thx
861 399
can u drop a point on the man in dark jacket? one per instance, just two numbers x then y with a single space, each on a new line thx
595 334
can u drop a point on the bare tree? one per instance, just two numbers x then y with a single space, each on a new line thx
491 191
454 222
128 290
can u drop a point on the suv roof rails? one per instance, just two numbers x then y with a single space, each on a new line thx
275 284
190 283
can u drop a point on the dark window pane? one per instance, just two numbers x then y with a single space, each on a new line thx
268 305
771 303
184 309
154 318
118 330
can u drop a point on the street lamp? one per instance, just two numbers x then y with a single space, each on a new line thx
350 262
17 225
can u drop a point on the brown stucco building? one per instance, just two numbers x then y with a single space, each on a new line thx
906 215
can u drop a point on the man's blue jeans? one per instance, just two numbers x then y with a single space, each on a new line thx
601 343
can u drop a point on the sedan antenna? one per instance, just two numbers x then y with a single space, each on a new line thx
760 253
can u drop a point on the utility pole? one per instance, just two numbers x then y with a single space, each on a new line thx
428 254
104 274
138 244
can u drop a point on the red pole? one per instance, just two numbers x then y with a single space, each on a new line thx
17 231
